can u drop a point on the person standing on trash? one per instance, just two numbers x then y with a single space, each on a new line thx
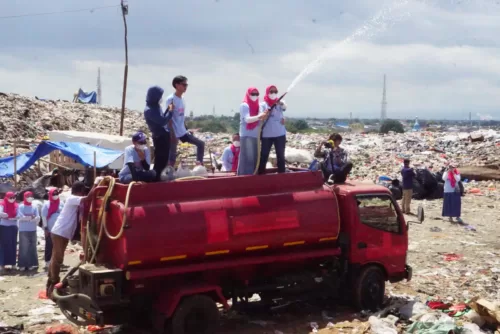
8 231
335 159
177 106
28 218
452 200
157 122
249 130
63 231
137 160
49 214
408 174
231 155
274 132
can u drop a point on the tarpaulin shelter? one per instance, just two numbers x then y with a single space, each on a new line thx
84 97
82 153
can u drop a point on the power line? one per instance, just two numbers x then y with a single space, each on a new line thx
60 12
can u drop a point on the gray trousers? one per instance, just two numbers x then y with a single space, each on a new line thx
248 156
28 256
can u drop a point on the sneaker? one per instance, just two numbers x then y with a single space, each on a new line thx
22 269
460 221
33 268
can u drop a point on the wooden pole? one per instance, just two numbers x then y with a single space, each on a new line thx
15 165
125 74
95 163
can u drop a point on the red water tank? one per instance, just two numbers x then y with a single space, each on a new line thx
186 223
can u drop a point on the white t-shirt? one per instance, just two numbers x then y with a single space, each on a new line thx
178 115
66 223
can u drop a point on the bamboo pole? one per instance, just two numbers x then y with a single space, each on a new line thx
95 163
15 165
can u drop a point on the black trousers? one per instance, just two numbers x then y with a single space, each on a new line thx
162 149
265 148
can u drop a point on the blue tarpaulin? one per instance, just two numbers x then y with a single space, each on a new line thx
84 97
82 153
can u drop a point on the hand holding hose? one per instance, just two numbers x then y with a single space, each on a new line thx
264 115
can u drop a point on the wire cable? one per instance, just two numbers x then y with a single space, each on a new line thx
60 12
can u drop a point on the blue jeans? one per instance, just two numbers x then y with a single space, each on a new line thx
142 176
8 245
248 156
279 146
28 256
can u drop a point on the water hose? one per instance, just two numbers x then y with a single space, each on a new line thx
259 136
102 216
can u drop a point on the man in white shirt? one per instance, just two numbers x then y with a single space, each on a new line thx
63 231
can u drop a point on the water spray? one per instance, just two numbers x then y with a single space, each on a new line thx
378 23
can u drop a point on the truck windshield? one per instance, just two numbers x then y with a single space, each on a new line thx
378 211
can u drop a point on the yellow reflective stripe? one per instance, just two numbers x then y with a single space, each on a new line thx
131 263
328 239
251 248
218 252
294 243
171 258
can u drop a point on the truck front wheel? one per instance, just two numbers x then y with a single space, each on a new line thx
195 315
370 289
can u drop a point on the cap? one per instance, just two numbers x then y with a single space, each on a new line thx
139 137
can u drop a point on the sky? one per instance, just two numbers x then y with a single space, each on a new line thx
441 57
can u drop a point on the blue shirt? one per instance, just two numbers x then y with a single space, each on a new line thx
49 223
244 115
227 159
408 174
7 222
177 115
24 211
273 127
131 155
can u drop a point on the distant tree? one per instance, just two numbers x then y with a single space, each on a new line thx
392 125
236 116
213 126
301 125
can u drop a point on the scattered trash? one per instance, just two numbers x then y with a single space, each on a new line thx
452 257
379 326
435 229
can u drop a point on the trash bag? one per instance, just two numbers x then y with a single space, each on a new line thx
427 180
438 193
397 192
418 190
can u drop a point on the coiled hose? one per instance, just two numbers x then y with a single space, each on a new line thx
102 216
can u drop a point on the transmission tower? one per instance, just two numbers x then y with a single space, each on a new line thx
99 91
383 113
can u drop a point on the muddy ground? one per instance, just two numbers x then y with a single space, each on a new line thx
450 261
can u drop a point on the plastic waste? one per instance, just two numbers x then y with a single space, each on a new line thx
199 171
379 326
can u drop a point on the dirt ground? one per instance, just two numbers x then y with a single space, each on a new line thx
450 261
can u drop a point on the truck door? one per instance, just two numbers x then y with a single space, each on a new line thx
380 234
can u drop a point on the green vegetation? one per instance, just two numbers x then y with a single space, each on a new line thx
392 125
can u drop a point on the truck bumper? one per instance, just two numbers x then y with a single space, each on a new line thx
408 272
79 308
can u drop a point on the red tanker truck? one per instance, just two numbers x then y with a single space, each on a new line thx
177 250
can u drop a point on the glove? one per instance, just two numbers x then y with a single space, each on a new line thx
4 215
35 220
25 219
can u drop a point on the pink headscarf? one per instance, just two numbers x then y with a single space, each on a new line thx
253 105
54 204
267 99
9 208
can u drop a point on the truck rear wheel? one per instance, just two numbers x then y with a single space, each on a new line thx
195 315
370 289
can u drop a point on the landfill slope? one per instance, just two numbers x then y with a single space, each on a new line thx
29 118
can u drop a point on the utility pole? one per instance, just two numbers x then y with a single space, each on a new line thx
383 112
99 89
124 6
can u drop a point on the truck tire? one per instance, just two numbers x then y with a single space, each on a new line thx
370 289
195 315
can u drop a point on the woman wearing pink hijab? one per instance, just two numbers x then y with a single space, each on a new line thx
249 131
8 231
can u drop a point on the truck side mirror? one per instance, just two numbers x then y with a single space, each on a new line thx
420 215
